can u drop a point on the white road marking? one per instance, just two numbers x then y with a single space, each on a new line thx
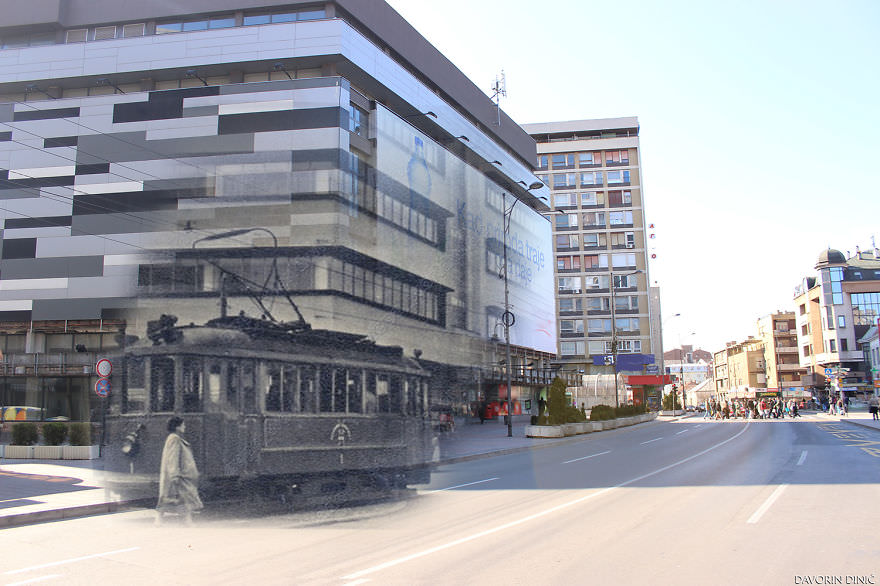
461 485
532 517
35 580
587 457
69 561
682 431
361 581
657 439
802 458
767 504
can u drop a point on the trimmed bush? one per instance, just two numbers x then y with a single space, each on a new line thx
556 402
629 410
80 434
54 433
601 413
24 434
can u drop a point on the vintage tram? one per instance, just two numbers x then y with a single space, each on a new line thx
271 408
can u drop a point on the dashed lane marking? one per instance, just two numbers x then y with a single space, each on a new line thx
587 457
756 516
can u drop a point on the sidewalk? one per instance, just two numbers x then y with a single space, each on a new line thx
79 487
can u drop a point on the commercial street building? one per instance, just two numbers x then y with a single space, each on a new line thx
600 261
150 150
834 310
778 334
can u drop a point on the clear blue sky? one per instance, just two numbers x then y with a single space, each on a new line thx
759 124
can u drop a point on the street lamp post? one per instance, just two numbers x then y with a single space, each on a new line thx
614 334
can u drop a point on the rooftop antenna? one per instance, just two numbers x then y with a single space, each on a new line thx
499 89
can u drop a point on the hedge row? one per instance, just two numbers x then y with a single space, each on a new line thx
54 434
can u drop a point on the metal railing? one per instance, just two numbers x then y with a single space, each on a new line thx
59 363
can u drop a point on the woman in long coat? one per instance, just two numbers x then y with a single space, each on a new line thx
178 475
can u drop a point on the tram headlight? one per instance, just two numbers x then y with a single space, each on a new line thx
131 443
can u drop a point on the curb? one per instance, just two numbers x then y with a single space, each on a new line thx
19 519
859 423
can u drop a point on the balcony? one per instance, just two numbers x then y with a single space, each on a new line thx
51 364
789 368
786 350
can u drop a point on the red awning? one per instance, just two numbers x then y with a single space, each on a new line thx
649 379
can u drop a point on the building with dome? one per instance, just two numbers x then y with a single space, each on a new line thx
833 310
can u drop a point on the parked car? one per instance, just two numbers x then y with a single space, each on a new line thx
442 418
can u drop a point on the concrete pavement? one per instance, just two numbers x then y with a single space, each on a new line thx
77 487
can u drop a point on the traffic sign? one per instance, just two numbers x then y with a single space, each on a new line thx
104 368
829 372
102 387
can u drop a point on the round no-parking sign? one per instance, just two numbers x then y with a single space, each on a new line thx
102 387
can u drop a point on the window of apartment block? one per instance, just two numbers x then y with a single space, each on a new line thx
568 263
594 240
626 239
358 120
591 178
599 326
594 219
625 281
592 199
596 282
844 345
623 260
564 181
619 198
569 284
832 345
597 347
803 309
626 303
616 157
598 304
589 159
622 218
565 161
566 241
566 220
627 324
595 261
542 162
571 326
564 200
571 348
571 304
618 177
841 321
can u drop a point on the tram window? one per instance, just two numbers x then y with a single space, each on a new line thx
161 384
214 383
370 400
232 384
382 393
339 389
354 384
248 387
274 376
288 387
411 392
192 385
395 394
307 387
135 395
325 390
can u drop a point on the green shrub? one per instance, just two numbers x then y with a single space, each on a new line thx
54 433
80 434
24 434
574 415
629 410
556 402
601 413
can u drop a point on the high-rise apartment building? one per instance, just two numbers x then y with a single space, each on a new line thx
600 255
148 150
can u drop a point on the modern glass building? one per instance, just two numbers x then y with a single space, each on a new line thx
151 151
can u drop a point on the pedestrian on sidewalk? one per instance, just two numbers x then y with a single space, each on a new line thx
874 407
178 475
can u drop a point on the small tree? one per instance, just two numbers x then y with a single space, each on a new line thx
24 434
556 403
80 434
54 433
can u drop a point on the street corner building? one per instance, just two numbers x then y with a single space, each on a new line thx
287 162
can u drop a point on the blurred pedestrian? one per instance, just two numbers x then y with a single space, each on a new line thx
178 475
874 408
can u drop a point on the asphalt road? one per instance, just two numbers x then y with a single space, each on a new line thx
688 502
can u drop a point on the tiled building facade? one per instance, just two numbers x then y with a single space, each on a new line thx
147 154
